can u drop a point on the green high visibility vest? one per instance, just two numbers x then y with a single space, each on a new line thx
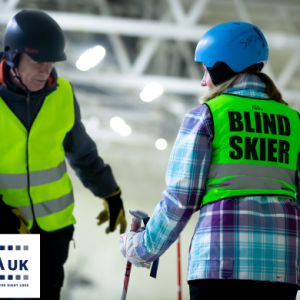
255 148
33 174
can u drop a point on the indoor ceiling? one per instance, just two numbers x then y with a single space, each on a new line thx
154 41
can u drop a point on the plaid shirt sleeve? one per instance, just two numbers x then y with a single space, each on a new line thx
185 179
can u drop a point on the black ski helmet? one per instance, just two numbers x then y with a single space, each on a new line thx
35 33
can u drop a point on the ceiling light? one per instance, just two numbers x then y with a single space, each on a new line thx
119 126
90 58
151 91
161 144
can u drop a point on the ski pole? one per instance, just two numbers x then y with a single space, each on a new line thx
138 216
178 269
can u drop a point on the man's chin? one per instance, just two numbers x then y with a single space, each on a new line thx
36 87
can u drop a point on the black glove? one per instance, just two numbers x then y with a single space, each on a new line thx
113 212
12 220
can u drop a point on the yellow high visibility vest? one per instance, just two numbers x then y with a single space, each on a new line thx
33 174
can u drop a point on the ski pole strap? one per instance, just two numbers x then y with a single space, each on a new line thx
154 268
146 220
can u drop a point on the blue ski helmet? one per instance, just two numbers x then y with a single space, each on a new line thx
230 48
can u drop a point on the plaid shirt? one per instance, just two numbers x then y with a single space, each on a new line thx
253 238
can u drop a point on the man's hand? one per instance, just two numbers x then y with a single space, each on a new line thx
23 221
12 220
113 212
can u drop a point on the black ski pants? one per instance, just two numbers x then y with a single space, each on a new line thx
54 253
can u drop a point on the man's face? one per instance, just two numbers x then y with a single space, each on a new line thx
34 74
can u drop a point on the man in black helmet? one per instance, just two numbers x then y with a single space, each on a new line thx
40 125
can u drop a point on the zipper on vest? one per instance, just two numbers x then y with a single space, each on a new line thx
28 130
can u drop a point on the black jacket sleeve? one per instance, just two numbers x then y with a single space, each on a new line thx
82 154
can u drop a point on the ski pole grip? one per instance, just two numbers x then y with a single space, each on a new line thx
135 224
138 216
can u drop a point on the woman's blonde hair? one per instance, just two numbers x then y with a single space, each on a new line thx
271 90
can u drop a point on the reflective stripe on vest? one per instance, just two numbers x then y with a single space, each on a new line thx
255 148
277 173
19 181
45 208
244 182
33 174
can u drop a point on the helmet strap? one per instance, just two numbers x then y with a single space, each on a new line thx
20 80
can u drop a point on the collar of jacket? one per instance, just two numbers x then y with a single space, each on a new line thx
8 89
